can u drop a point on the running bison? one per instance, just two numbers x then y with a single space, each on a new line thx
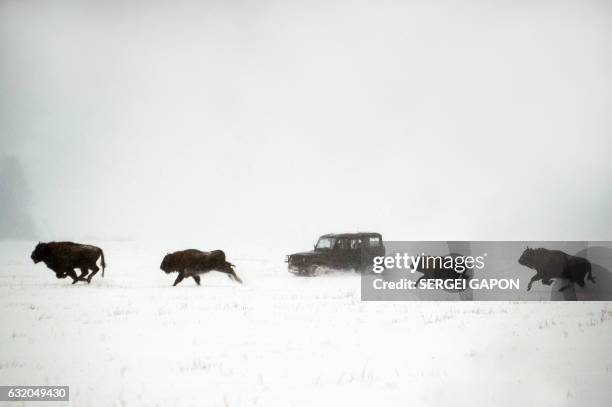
192 263
64 257
550 264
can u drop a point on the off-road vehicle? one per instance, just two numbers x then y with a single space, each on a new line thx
344 251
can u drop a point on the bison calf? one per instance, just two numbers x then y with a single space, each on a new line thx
550 264
64 257
192 263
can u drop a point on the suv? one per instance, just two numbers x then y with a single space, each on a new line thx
338 251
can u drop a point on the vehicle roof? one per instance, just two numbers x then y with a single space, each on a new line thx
356 234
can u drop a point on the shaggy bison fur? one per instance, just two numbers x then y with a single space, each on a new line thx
192 263
64 257
550 264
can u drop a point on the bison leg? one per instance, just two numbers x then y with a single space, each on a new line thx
92 274
180 278
73 275
235 277
580 282
590 274
533 279
196 278
84 272
547 281
228 269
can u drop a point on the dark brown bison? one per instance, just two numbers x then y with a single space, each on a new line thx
552 264
64 257
192 263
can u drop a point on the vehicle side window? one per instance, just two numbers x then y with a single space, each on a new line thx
324 243
374 241
356 243
342 244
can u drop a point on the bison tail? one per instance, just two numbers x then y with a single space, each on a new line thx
102 262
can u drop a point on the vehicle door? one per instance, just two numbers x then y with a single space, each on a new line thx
356 258
341 253
373 247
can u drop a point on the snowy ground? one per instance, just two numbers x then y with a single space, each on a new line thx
131 339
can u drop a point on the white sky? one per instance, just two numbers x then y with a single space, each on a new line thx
239 121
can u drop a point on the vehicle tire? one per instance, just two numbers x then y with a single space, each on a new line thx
364 269
311 271
304 272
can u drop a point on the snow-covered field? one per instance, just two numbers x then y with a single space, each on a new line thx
131 339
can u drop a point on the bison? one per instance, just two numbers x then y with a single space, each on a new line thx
192 263
550 264
64 257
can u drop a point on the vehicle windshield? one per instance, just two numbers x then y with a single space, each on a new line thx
324 243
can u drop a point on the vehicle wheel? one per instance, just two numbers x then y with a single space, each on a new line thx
312 270
363 269
304 272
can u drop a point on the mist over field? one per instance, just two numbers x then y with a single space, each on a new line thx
256 123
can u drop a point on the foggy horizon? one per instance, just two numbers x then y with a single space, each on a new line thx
232 122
